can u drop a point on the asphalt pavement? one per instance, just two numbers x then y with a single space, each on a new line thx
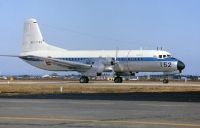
67 113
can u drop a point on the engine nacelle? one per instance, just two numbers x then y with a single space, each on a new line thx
95 70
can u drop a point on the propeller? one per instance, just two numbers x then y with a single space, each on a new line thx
114 61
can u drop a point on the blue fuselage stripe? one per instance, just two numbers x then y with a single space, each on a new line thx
120 59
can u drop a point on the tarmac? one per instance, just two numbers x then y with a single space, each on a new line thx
98 83
176 109
62 113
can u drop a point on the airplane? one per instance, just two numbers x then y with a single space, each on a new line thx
38 53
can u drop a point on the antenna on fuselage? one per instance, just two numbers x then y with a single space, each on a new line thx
161 48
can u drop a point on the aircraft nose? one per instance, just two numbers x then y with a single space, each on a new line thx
180 65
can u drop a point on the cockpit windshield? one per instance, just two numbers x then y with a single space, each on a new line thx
164 56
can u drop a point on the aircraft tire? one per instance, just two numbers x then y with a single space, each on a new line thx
165 81
84 79
118 79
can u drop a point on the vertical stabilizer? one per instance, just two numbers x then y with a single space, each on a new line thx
32 37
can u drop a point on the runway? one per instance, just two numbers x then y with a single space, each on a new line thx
100 83
62 113
41 104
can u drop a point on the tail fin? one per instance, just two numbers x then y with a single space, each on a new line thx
32 37
33 40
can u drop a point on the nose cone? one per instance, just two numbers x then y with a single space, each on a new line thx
180 66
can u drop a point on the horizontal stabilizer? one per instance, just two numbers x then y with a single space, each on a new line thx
9 56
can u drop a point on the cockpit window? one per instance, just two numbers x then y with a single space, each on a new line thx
168 55
160 56
164 56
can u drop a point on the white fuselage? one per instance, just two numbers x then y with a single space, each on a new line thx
128 60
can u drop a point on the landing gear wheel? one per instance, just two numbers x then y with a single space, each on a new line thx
84 79
118 79
165 81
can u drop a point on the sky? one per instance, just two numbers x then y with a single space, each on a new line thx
103 24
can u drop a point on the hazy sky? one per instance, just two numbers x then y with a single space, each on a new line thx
103 24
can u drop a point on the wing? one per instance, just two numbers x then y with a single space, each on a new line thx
9 56
99 65
81 67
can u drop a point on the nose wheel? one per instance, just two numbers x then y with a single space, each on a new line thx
84 79
118 79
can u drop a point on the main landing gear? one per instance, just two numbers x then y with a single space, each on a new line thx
118 79
165 81
84 79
